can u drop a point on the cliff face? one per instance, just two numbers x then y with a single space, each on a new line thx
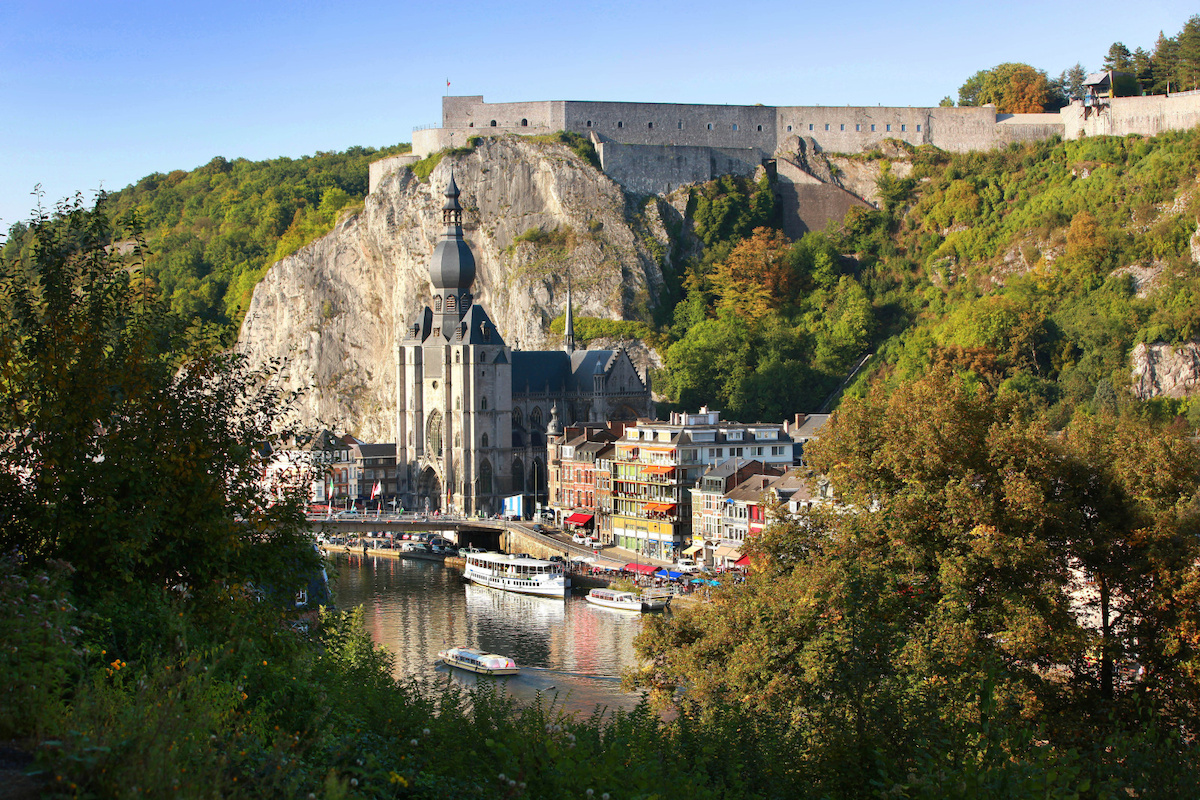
534 215
1160 370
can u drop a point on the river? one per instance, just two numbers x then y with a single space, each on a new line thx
568 650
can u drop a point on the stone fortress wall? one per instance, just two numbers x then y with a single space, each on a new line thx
654 148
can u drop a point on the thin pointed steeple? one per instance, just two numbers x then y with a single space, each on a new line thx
569 325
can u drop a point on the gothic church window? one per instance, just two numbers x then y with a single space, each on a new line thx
484 440
434 433
457 439
535 418
485 477
524 123
483 402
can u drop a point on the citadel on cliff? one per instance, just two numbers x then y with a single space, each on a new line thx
653 148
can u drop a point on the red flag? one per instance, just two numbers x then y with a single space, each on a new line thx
375 490
447 81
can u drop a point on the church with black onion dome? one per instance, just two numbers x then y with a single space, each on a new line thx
472 414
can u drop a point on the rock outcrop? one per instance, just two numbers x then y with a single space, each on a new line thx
1162 370
535 213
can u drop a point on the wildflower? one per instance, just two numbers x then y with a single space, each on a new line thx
589 792
354 781
503 777
413 742
511 783
425 732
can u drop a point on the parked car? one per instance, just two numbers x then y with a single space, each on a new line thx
580 538
686 565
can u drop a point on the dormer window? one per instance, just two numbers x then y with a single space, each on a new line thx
437 303
451 303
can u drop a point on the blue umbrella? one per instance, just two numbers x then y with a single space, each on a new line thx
666 573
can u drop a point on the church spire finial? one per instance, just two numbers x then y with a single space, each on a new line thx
569 324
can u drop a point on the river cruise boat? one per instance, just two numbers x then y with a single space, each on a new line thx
629 601
478 661
515 573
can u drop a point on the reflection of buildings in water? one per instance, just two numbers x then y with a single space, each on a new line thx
411 607
517 609
534 623
600 639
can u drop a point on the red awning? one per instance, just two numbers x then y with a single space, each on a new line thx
644 569
578 519
744 561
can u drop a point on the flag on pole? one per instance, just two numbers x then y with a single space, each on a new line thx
375 490
447 83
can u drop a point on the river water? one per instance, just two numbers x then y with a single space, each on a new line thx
568 650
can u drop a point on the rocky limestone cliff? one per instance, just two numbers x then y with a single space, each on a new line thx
1162 370
333 309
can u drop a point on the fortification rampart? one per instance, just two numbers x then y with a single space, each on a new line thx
1122 116
841 129
651 148
659 169
385 166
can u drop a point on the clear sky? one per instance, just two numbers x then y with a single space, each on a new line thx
100 94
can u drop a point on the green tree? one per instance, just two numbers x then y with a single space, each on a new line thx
1118 57
1072 82
136 460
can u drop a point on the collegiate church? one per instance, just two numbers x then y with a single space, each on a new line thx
472 414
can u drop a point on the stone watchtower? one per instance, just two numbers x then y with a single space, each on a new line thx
454 389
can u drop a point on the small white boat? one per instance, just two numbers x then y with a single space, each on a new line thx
629 601
478 661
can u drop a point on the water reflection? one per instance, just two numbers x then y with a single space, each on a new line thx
565 647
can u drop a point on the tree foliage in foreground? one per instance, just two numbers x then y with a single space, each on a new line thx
125 453
1002 592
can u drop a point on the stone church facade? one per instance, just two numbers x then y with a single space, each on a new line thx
472 414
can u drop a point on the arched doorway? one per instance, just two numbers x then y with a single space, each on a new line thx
429 491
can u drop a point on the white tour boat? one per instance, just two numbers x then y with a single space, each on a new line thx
517 574
629 601
478 661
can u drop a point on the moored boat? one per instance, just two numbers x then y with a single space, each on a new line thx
473 660
629 601
517 574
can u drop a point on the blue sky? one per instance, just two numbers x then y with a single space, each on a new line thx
99 94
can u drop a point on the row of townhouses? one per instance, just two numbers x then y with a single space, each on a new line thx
345 470
691 486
